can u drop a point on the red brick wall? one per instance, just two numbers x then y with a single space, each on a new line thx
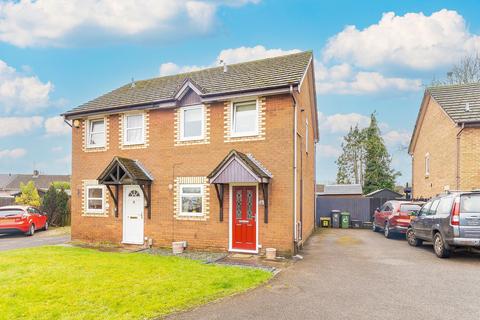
164 160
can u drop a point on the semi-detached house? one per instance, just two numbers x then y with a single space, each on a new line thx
222 158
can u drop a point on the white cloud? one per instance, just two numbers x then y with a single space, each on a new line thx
12 153
11 126
28 23
397 138
342 122
328 151
229 56
413 40
343 79
56 126
21 92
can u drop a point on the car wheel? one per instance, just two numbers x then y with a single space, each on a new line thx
31 230
374 227
411 239
439 246
46 226
386 230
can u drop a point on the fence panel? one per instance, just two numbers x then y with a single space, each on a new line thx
359 208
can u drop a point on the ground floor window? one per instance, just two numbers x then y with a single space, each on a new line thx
95 199
191 199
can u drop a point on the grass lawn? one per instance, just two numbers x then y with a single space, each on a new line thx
77 283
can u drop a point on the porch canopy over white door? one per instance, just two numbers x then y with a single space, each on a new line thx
123 171
238 167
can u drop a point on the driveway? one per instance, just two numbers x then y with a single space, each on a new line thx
40 238
358 274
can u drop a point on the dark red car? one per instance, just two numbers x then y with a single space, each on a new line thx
394 216
24 219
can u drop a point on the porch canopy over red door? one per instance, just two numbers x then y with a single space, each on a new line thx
238 167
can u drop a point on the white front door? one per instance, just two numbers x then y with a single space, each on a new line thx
133 208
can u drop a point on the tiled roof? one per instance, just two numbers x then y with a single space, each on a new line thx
255 75
333 189
453 100
42 181
133 168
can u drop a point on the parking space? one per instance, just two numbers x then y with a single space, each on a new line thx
358 274
40 238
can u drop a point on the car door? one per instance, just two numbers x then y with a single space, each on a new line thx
37 218
386 213
418 223
378 214
429 220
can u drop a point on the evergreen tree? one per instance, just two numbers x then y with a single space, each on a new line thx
29 195
55 204
351 163
378 174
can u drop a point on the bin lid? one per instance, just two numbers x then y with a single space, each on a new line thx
335 211
345 213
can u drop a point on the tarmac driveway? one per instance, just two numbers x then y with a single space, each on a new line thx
40 238
358 274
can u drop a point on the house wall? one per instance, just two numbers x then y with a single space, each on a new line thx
306 156
437 137
166 160
470 159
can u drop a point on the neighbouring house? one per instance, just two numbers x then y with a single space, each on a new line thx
10 184
342 191
384 194
221 158
445 145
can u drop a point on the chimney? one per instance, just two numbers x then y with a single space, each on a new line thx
467 106
225 68
132 84
35 174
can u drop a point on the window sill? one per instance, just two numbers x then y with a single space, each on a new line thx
96 215
191 139
243 135
133 144
190 215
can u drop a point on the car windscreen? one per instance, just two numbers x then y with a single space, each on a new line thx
10 212
470 203
409 208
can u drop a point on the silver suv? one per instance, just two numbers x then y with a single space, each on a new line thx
450 221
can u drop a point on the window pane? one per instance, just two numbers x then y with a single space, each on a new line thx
191 189
95 193
97 126
134 135
135 121
470 203
191 204
238 205
445 205
97 139
95 204
245 117
192 122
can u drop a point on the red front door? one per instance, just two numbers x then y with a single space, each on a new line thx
244 213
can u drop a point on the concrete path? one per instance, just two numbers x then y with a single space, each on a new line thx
40 238
358 274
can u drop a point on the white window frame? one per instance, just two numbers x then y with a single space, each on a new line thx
182 122
125 129
232 121
87 198
427 164
89 132
306 135
181 194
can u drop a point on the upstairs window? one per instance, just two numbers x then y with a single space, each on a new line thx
133 129
427 165
191 123
245 119
96 133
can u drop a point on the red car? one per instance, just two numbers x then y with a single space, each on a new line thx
24 219
394 216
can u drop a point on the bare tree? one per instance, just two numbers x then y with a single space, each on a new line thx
467 70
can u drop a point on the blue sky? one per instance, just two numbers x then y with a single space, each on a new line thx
374 56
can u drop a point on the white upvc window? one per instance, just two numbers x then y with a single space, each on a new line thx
191 199
95 199
427 164
133 129
244 118
96 133
192 123
306 135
